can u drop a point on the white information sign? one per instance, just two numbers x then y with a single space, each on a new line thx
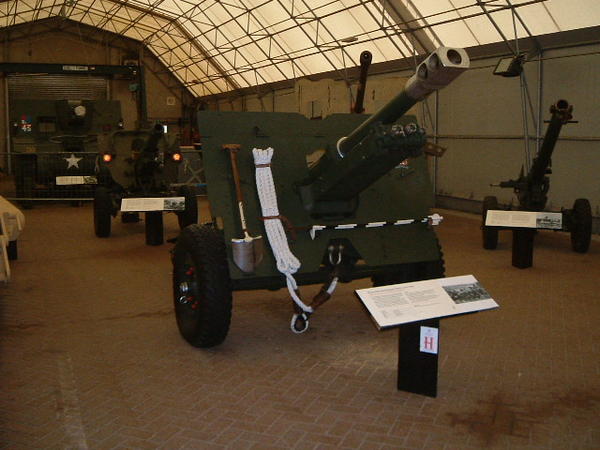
429 340
523 219
397 304
76 179
153 204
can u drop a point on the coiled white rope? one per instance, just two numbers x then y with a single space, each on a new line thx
287 263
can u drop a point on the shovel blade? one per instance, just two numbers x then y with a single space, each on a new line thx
247 253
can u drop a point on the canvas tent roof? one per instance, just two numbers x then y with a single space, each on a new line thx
215 46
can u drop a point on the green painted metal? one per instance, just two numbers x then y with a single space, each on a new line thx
73 69
400 194
345 169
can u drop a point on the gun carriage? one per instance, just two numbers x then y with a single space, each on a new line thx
141 164
531 190
338 199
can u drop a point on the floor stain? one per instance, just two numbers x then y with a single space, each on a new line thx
499 417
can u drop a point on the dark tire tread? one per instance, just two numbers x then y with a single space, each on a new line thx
208 325
190 215
581 230
102 212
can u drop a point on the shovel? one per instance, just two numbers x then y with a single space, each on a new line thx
247 251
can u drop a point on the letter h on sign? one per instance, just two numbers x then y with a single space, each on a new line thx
429 340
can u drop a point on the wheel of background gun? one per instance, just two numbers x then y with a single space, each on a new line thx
25 179
490 234
581 227
154 228
12 251
201 286
412 272
102 212
188 216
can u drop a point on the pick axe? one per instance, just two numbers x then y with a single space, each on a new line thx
247 251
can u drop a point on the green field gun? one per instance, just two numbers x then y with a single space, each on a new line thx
297 201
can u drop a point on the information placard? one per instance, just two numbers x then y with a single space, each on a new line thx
397 304
69 180
523 219
153 204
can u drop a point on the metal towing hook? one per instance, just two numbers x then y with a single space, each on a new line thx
300 319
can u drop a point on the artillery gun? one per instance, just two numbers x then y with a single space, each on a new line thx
531 190
339 199
141 165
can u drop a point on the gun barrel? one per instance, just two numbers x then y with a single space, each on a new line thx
435 72
561 113
365 61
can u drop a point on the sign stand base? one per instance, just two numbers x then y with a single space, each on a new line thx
522 247
417 370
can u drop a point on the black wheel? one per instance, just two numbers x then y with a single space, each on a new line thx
490 234
188 216
581 226
154 228
201 286
25 174
405 273
11 250
102 211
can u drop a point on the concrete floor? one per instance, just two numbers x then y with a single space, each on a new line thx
91 356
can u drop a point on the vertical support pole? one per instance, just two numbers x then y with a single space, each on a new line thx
154 228
418 369
522 247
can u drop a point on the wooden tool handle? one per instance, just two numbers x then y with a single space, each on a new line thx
233 149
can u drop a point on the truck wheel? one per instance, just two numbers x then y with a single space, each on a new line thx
581 228
201 286
490 234
188 216
154 228
102 212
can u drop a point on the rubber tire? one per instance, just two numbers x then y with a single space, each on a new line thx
418 271
489 234
12 250
189 216
202 248
102 212
154 228
581 228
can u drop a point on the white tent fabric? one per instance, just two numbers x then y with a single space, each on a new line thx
215 46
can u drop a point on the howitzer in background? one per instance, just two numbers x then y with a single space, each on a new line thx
531 190
353 191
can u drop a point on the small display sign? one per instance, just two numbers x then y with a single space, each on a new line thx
523 219
153 204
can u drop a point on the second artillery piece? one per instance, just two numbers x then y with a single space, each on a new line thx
338 199
141 166
531 190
